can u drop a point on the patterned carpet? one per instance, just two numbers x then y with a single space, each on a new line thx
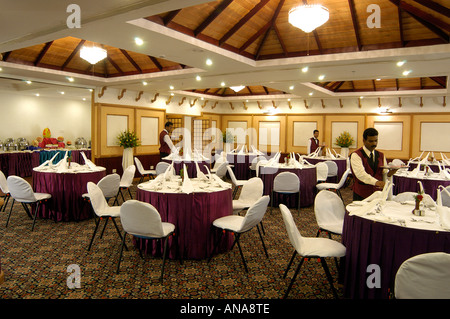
35 264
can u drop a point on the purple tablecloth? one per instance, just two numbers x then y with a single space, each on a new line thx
241 165
308 181
385 245
409 184
190 166
341 164
66 189
192 215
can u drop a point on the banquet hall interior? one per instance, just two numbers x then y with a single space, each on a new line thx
245 83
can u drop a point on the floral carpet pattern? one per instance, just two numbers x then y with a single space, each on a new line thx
36 264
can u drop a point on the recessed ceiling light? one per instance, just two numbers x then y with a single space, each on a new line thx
311 93
198 78
291 87
84 99
144 82
400 63
305 69
70 79
378 79
28 82
209 62
138 41
171 87
172 94
1 69
321 77
289 100
406 72
37 94
222 84
61 92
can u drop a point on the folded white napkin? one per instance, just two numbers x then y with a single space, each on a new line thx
221 182
444 216
187 184
366 208
169 172
200 174
209 172
44 164
50 162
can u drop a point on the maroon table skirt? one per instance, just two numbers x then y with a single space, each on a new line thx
66 189
192 215
241 165
409 184
341 164
384 245
17 163
190 166
308 181
433 167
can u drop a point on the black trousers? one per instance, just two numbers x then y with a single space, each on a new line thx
357 197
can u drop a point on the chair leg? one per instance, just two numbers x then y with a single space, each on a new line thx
329 277
262 241
129 192
121 194
10 211
293 278
118 231
6 198
121 251
97 223
240 251
216 244
104 227
271 201
35 215
164 258
290 263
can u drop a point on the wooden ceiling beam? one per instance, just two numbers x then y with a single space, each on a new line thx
400 26
114 64
243 21
42 53
438 8
255 36
125 53
220 8
280 39
272 23
439 80
169 17
355 23
77 49
156 62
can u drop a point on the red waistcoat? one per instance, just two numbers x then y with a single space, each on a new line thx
164 148
360 188
314 145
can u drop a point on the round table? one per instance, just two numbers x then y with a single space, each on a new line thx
340 162
192 214
66 189
190 166
241 164
308 181
383 242
405 182
433 166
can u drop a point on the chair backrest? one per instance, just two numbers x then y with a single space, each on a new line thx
20 189
139 166
328 208
252 190
141 219
232 176
343 178
322 171
3 183
255 214
445 196
332 168
256 160
425 276
286 182
128 175
109 185
97 199
222 170
219 160
294 235
161 167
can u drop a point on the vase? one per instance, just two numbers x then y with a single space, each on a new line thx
417 211
127 158
344 151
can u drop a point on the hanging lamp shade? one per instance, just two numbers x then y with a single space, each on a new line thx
93 54
308 17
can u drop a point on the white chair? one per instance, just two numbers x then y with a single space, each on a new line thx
127 181
445 196
254 163
238 183
109 185
321 172
410 197
286 183
219 159
102 210
425 276
240 224
5 191
144 172
142 220
161 167
251 192
21 191
221 170
335 186
329 211
308 247
332 168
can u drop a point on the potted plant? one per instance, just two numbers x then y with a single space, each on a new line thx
344 141
128 140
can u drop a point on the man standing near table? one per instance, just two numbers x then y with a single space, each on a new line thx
367 167
313 143
165 141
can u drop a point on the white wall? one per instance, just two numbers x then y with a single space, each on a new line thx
27 116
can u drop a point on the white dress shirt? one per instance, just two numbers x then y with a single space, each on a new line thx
359 170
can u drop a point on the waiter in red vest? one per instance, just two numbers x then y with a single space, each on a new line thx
367 167
165 141
313 143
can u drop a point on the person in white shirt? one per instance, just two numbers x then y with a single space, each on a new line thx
313 143
165 141
367 165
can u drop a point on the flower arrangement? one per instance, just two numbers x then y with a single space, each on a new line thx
128 139
344 140
418 198
228 137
